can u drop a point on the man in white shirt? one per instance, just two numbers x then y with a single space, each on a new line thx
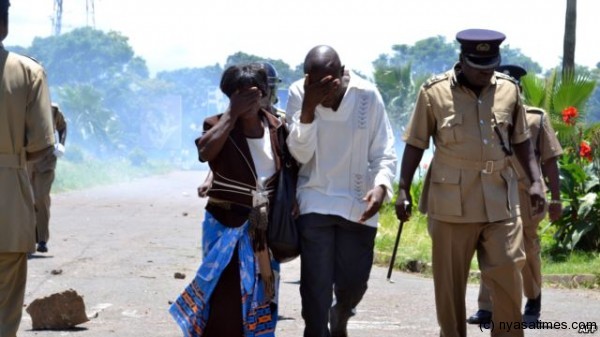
342 138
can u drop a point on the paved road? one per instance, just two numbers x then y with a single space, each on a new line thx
119 246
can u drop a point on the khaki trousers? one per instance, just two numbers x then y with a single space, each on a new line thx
499 248
13 277
532 271
41 183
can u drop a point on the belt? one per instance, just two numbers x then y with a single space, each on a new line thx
230 206
13 160
486 167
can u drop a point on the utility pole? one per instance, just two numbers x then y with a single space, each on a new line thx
57 18
90 13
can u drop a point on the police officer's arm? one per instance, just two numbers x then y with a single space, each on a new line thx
421 127
525 154
61 127
551 175
523 150
410 161
62 134
550 150
240 103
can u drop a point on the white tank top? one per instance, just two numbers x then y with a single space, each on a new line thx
262 155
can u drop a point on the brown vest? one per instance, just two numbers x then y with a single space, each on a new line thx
231 163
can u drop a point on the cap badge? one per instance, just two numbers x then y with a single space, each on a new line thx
483 47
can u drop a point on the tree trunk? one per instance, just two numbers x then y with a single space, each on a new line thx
569 40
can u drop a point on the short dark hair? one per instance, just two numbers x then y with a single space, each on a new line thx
237 77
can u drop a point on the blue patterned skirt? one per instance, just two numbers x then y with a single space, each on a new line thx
191 308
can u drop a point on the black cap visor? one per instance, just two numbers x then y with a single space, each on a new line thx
483 63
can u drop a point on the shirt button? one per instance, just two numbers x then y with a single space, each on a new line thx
485 141
481 121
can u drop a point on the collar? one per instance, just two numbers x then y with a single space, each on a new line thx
274 121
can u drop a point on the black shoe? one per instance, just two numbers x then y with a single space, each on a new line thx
532 310
41 247
480 317
338 323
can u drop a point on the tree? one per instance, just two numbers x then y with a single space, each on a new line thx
429 56
103 69
565 98
515 56
285 72
199 92
89 121
400 74
87 55
398 92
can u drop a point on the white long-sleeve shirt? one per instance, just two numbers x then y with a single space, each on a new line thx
344 153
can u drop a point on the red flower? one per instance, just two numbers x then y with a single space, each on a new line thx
569 114
585 150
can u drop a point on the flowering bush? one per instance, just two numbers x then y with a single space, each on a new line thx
563 99
569 115
585 151
579 225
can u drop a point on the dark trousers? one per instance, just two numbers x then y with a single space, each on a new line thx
337 256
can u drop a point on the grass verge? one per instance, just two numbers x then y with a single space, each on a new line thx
415 249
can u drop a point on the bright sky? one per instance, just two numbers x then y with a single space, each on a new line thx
182 33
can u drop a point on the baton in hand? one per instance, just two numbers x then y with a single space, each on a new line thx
393 259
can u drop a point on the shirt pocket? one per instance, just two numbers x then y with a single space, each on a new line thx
448 130
445 194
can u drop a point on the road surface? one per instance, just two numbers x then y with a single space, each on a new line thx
119 247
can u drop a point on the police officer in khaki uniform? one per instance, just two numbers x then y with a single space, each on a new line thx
547 150
25 134
41 174
476 119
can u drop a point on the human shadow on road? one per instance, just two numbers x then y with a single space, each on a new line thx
73 329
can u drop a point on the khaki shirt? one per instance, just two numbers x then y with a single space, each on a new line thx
543 139
25 126
470 178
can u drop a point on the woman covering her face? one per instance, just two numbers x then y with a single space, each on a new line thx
235 289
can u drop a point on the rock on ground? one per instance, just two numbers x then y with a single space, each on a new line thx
58 311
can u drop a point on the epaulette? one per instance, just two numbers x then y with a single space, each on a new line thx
435 79
31 58
506 77
534 110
